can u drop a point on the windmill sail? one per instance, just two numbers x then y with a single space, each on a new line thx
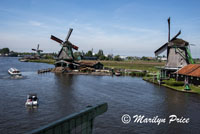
69 33
56 39
161 49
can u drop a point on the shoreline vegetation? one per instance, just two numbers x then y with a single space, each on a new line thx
139 68
174 85
137 65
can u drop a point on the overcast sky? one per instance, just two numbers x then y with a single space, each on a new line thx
124 27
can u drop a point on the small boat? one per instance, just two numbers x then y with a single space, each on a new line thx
14 72
23 60
32 100
118 73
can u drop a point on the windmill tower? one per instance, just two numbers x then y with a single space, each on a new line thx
38 51
178 53
65 57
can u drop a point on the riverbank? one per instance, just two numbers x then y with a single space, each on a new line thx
48 61
131 68
177 86
136 65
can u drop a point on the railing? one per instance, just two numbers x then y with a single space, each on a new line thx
77 123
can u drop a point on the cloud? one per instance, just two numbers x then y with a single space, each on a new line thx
35 23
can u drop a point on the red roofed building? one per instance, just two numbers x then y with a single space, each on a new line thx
191 72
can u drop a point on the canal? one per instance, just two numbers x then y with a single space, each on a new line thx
62 94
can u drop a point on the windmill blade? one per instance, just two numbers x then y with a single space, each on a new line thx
192 44
176 35
161 49
69 33
168 29
40 50
38 47
56 39
73 46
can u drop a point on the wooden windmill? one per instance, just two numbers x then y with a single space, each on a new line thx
65 56
38 51
178 53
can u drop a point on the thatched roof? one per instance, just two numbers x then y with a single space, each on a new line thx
178 42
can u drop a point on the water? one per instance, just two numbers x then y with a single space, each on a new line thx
61 95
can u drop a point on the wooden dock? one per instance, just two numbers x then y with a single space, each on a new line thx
44 70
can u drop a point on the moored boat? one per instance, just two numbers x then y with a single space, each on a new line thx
23 60
118 73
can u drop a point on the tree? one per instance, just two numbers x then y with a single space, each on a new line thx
130 58
117 58
144 58
102 57
89 53
109 57
5 51
77 55
100 53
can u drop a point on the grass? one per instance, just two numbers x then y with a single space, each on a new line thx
194 89
172 84
137 64
48 61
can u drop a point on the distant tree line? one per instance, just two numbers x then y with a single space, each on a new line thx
5 51
99 55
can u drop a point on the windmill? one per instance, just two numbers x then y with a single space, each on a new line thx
38 51
65 56
178 52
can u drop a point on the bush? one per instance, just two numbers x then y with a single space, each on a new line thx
139 74
174 83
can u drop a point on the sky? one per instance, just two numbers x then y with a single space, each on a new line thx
124 27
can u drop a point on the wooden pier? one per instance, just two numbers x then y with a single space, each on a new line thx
45 70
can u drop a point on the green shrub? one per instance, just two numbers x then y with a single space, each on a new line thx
139 74
174 83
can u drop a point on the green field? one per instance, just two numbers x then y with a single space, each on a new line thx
137 64
48 61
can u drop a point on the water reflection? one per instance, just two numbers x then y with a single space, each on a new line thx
63 80
32 109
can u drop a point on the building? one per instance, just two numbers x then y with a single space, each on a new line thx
95 65
88 58
190 72
66 64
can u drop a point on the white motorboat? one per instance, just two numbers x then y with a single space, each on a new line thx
32 100
118 73
14 72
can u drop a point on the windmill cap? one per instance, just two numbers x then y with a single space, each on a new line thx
178 42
